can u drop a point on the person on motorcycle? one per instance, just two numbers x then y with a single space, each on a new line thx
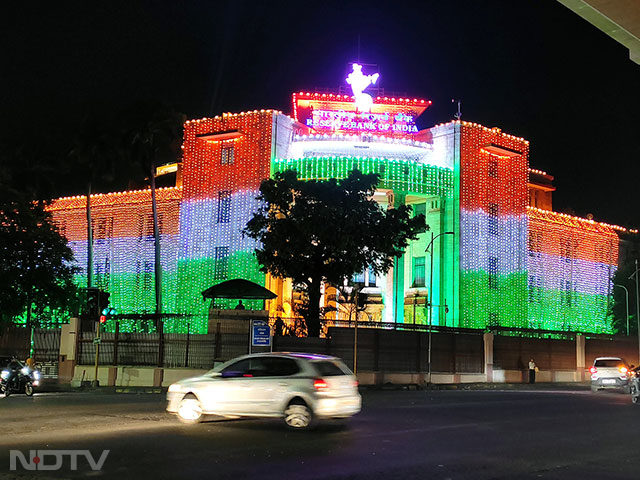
14 367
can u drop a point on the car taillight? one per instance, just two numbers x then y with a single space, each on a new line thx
320 385
593 369
355 383
623 369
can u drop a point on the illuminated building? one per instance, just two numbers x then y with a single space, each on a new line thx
511 261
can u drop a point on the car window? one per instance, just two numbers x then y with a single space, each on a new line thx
608 363
236 369
259 367
329 368
280 366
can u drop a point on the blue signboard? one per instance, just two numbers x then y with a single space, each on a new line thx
260 333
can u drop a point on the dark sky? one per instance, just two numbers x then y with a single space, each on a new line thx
530 67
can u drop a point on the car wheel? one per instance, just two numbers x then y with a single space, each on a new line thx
635 399
298 415
190 410
28 389
626 389
594 389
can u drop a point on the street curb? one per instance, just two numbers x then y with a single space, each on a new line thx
139 390
482 386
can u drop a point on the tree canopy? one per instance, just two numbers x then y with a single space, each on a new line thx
314 231
36 272
618 308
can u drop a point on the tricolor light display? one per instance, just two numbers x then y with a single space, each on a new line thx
570 263
493 227
506 264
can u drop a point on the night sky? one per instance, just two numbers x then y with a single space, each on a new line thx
533 68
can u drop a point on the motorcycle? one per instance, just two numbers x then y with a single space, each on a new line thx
23 382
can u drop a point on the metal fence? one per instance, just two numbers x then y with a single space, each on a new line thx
149 349
16 341
401 350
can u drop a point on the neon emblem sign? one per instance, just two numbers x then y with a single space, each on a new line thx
359 81
360 113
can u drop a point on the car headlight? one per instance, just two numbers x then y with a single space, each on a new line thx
5 374
174 388
36 374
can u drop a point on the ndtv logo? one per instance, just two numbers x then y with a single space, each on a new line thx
36 459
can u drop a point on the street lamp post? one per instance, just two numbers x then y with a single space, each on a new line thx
430 246
627 296
635 273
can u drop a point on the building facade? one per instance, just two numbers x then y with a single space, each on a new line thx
500 256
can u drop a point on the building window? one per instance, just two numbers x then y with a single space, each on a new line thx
493 168
372 280
493 218
227 154
419 209
532 286
493 273
367 278
567 294
224 206
221 263
535 244
418 271
567 250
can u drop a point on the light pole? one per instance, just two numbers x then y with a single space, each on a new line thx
627 295
635 273
430 246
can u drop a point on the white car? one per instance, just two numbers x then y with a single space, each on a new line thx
610 372
297 387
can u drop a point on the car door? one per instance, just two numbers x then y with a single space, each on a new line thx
232 397
269 388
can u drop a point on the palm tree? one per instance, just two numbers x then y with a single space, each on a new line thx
152 137
95 156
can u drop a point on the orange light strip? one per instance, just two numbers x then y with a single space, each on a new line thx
571 220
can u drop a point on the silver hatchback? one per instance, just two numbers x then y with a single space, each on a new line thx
297 387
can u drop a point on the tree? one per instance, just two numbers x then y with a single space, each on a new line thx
327 231
618 308
153 138
36 272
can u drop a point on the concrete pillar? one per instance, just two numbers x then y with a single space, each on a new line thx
158 376
398 289
112 376
67 355
488 356
395 200
580 358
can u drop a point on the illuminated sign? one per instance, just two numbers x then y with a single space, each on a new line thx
359 81
329 113
341 121
345 114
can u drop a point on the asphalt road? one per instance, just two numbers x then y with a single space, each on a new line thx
399 434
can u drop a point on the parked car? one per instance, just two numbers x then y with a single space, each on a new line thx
610 372
297 387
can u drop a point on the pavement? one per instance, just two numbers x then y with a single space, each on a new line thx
521 431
